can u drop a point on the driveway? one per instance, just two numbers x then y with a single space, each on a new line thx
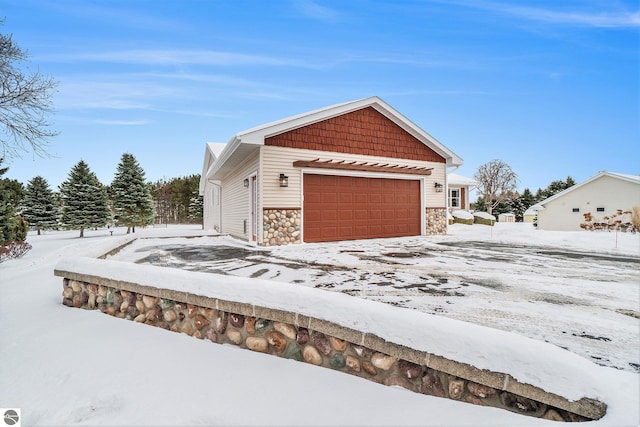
583 301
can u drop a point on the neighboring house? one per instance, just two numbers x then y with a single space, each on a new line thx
600 196
349 171
458 192
507 217
530 214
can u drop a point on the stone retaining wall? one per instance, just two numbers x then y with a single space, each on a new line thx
318 342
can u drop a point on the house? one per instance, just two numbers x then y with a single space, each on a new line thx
530 215
354 170
507 217
458 191
595 200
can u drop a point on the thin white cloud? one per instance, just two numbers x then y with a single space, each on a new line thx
172 57
312 9
610 18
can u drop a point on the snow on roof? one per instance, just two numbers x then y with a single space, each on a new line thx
216 147
455 179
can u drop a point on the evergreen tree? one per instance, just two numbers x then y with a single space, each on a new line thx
12 226
39 207
195 208
84 200
522 203
131 197
554 187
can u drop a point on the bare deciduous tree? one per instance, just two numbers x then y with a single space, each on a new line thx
496 181
25 102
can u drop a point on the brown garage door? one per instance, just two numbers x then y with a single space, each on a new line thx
347 208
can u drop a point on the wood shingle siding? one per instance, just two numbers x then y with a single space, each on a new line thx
365 132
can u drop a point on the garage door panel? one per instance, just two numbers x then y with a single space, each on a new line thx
344 207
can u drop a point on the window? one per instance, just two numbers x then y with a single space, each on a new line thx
600 209
454 197
575 210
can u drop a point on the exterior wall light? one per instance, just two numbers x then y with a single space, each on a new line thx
439 187
284 180
246 183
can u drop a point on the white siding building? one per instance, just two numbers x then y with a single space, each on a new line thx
600 196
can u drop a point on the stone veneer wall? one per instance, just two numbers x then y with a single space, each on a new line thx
436 221
318 342
281 226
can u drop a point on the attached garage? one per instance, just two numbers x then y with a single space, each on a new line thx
355 170
349 207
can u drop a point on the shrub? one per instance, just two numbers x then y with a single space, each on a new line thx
462 217
483 218
13 250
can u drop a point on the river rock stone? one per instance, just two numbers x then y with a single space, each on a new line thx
257 344
92 301
75 285
398 380
480 390
236 320
431 384
102 291
124 306
456 389
277 340
222 319
132 298
140 318
383 361
149 302
212 335
200 322
520 403
140 306
170 315
187 328
321 342
234 336
553 415
337 361
369 368
311 355
353 363
293 352
475 400
302 336
192 310
77 301
250 325
93 288
409 370
158 312
262 324
338 344
286 329
117 299
197 334
132 312
363 352
67 292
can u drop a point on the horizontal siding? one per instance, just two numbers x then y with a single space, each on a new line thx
276 160
235 198
605 192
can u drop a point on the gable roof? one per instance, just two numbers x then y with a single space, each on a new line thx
245 142
624 177
211 153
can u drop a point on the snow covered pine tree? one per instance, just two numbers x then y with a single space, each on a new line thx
131 196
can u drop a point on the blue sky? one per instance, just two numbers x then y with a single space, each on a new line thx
550 87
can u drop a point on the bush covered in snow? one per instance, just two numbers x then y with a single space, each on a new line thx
483 218
462 217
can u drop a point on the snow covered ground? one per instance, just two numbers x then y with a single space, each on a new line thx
544 285
65 366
